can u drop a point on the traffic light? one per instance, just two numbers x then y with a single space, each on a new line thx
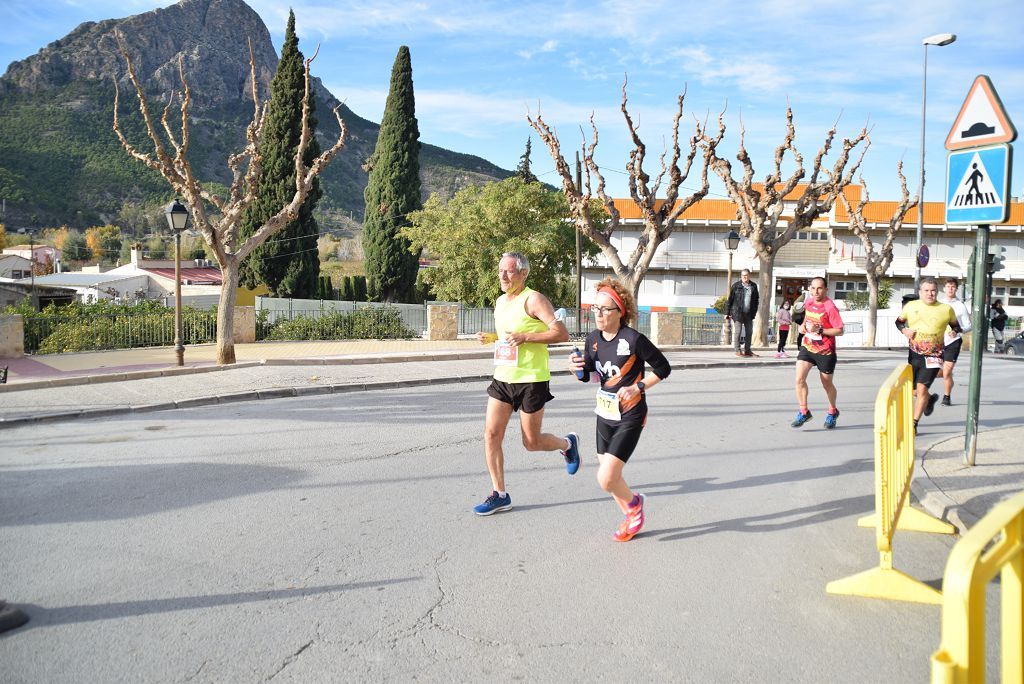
996 259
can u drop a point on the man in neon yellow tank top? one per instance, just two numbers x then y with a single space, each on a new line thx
526 325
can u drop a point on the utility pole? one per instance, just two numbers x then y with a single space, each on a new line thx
979 336
579 259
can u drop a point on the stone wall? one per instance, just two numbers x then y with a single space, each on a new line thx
12 336
442 321
244 328
666 328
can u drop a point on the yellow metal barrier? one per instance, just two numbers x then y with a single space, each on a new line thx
894 469
994 546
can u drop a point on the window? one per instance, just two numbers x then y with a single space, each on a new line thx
812 235
845 287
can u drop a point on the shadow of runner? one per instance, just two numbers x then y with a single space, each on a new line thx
50 495
65 615
770 522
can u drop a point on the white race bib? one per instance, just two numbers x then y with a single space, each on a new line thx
933 362
505 354
607 405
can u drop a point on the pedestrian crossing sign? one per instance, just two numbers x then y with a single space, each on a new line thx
977 185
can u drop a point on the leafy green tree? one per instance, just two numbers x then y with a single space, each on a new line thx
469 233
3 236
523 170
393 191
74 247
104 242
288 263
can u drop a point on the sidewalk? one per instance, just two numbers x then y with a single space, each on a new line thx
95 384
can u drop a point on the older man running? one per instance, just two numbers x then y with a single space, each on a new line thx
526 325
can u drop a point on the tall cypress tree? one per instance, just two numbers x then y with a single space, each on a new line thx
288 263
523 170
393 191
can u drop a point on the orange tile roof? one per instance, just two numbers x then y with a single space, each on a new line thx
875 211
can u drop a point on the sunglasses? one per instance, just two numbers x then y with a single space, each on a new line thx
603 310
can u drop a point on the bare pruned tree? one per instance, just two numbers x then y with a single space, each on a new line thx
221 231
876 263
659 216
768 218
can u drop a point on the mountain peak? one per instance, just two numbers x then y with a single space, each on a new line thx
211 36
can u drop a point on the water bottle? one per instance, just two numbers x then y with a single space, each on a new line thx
580 373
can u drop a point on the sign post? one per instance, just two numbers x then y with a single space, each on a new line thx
978 192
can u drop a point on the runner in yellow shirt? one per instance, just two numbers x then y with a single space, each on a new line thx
923 322
526 325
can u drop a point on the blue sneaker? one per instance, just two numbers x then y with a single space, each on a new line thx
801 418
830 420
494 504
572 454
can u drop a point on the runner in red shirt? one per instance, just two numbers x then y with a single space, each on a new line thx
820 328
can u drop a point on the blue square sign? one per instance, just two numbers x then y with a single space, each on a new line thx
977 185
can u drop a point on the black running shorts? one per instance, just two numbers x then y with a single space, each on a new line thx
530 396
825 363
618 440
952 350
922 374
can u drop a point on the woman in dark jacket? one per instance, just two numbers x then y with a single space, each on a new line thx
998 325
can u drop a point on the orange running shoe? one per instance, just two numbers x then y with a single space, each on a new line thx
633 523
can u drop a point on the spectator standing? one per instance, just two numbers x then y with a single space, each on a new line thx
998 325
784 319
741 310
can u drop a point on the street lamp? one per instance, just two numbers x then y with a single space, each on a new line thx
938 40
177 217
732 241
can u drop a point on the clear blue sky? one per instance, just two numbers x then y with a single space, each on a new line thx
478 66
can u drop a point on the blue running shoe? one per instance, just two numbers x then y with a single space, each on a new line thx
830 420
801 418
494 504
572 454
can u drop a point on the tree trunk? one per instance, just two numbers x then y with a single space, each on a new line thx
871 322
226 311
764 285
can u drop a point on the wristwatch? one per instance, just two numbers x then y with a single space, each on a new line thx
640 386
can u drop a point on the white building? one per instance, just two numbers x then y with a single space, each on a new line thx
689 270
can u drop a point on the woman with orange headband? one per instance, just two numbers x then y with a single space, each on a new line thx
617 353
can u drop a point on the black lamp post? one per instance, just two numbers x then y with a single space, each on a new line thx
732 241
177 217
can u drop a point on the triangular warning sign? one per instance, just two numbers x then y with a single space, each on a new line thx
982 119
975 189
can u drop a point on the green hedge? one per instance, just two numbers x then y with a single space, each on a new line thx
363 324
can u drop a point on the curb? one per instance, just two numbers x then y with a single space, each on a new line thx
120 377
315 390
933 499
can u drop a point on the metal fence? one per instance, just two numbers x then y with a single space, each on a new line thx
55 334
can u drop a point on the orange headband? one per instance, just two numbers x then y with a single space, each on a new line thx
615 297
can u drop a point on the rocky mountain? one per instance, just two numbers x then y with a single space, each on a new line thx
61 163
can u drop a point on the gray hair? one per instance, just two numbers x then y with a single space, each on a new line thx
928 280
522 263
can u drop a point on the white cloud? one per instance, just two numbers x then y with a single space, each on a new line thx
548 46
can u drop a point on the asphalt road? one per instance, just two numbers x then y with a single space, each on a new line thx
331 539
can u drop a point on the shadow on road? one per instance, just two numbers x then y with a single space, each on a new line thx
48 617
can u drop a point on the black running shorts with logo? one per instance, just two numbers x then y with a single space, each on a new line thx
529 396
951 352
825 363
922 374
617 439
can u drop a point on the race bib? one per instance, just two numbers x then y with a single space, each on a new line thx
607 405
933 362
813 336
505 354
